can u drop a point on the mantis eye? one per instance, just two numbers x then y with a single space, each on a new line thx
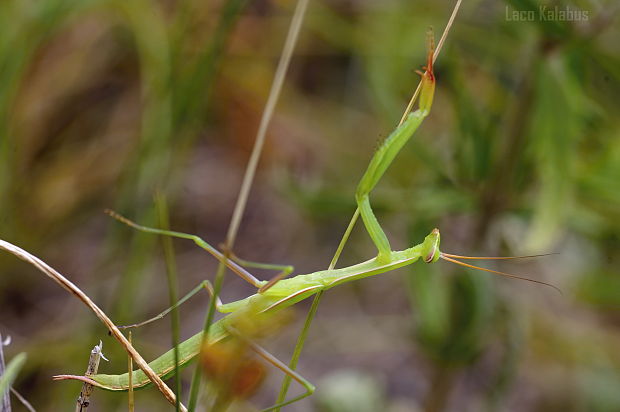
433 253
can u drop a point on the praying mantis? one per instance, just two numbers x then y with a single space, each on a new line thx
281 292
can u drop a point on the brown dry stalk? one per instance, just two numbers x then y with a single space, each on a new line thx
77 292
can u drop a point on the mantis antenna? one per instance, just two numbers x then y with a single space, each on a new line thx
450 258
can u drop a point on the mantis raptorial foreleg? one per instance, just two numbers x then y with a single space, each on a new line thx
384 156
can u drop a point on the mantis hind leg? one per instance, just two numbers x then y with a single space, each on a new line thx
272 360
268 357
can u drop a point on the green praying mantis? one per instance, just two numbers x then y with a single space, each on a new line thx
281 292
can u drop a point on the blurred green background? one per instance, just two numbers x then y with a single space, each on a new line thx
104 101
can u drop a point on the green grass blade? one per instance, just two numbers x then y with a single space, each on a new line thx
299 346
11 371
171 272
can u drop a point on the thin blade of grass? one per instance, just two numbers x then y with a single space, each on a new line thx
130 398
10 373
23 400
171 272
248 178
5 402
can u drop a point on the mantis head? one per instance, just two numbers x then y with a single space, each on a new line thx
430 247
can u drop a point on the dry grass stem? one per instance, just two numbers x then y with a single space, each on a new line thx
77 292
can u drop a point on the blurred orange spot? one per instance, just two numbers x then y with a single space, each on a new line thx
229 366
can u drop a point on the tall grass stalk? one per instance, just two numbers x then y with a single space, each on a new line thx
171 272
248 178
